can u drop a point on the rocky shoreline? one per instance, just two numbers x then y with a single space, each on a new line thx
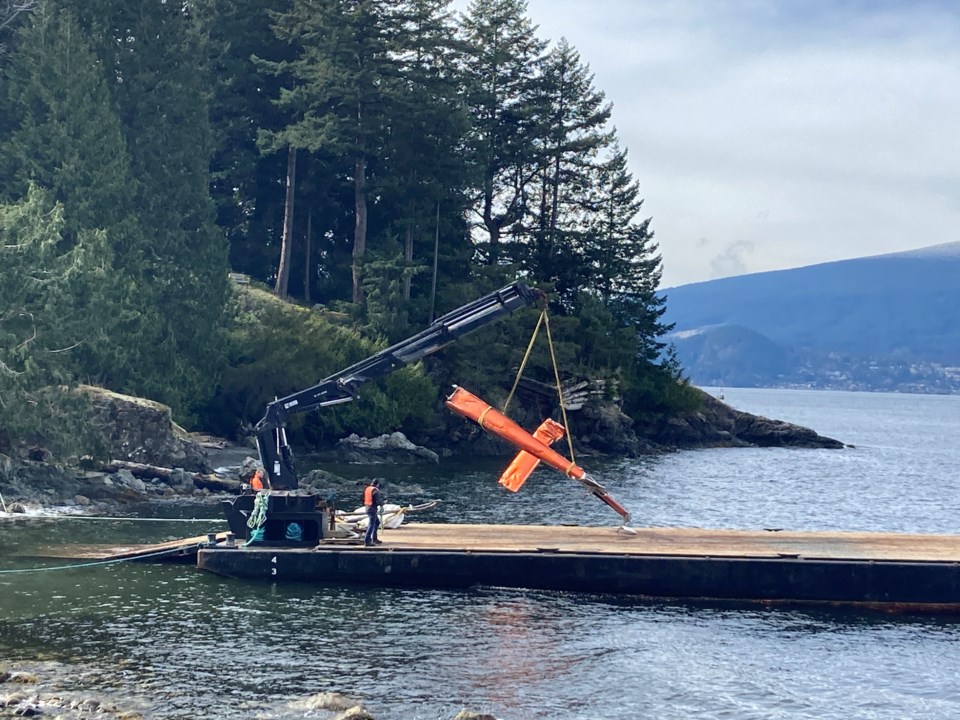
154 459
39 690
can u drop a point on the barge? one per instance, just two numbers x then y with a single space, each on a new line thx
887 571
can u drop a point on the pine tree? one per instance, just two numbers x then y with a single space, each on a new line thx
246 185
52 294
11 12
622 257
160 86
341 93
423 170
67 139
502 57
571 120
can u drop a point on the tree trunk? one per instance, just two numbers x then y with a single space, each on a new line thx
286 244
436 253
492 226
360 228
408 261
308 269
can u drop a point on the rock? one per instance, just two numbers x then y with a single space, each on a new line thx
142 431
216 483
27 710
16 508
23 678
128 480
385 449
716 424
610 430
471 715
358 712
12 700
248 467
181 480
322 481
325 701
82 500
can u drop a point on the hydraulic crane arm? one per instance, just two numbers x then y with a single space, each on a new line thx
275 452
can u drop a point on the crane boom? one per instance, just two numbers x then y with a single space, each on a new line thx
341 387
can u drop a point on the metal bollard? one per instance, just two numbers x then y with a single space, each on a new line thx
231 538
211 538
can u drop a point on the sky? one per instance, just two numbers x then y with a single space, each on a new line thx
771 134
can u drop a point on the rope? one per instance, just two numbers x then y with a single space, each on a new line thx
257 519
523 364
114 519
258 516
74 566
556 375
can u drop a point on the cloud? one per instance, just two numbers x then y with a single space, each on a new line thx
731 261
806 132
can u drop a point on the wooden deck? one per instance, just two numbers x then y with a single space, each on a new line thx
878 570
883 570
676 541
180 549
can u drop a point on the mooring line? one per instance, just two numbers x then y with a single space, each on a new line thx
16 571
127 519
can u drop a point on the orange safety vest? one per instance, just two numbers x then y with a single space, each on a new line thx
368 495
256 482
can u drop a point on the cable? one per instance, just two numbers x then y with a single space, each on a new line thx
92 564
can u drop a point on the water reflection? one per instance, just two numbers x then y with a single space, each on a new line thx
183 644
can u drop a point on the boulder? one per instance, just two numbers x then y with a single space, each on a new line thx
605 429
392 449
716 424
143 431
335 702
358 712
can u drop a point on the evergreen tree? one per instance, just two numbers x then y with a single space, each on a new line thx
246 185
622 258
423 169
571 120
49 291
342 91
10 12
501 60
67 138
160 86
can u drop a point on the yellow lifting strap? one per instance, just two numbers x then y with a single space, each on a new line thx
556 375
523 364
545 321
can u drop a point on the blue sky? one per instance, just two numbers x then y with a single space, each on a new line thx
780 133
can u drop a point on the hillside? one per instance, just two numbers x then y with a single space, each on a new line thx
887 322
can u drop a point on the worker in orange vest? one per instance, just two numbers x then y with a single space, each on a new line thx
372 500
256 482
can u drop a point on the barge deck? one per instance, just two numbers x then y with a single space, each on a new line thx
882 570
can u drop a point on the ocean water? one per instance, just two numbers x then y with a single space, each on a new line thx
177 643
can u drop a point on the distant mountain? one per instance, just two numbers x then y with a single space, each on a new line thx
889 322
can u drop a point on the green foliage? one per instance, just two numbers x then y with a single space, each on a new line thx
276 349
422 138
50 301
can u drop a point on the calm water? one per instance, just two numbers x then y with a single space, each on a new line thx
177 643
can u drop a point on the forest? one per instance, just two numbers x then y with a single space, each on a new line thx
361 166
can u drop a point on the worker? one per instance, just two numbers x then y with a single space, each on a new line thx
372 501
256 482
